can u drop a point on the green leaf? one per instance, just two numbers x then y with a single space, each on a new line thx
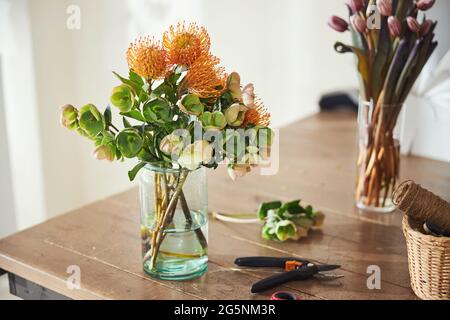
265 207
292 207
136 86
126 123
134 77
133 172
133 114
107 115
163 88
143 97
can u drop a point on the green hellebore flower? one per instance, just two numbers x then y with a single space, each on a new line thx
235 114
104 152
195 154
91 120
123 98
69 117
213 120
267 232
191 104
157 110
129 142
286 230
171 144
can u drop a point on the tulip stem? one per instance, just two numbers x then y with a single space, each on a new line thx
187 214
164 219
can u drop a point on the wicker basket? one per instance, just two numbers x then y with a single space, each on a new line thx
428 261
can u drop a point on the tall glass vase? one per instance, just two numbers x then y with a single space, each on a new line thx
174 227
378 161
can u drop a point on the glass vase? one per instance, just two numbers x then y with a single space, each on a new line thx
378 163
174 218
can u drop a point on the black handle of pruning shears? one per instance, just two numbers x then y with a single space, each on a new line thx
266 262
279 279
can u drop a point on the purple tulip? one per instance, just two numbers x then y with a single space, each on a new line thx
413 25
395 27
355 5
338 24
425 27
358 23
425 4
385 7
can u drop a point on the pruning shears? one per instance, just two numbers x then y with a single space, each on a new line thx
296 269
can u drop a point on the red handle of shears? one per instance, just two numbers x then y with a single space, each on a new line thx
284 295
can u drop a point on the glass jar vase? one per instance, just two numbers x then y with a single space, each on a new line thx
378 163
174 216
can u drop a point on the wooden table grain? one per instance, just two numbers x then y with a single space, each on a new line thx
317 164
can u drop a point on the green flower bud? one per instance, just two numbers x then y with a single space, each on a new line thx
129 142
171 144
191 104
104 152
213 121
69 117
123 97
91 120
235 114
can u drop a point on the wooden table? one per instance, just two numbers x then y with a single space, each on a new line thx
316 165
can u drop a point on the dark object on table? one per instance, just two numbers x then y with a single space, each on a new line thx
434 230
296 269
339 101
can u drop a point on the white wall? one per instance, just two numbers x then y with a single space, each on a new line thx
24 153
266 41
284 47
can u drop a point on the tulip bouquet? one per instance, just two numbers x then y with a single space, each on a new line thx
392 41
180 111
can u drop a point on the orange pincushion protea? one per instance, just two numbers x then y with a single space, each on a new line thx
258 116
147 58
205 78
185 44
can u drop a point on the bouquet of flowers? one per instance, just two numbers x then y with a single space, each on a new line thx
392 41
181 111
